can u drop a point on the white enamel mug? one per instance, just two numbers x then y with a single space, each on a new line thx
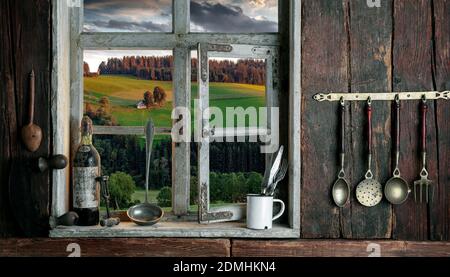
260 211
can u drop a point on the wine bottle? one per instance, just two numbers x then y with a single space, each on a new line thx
86 169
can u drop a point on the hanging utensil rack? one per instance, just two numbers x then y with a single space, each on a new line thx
383 96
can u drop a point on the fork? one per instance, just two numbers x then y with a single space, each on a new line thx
280 176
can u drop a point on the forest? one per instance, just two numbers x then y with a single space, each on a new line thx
126 154
246 71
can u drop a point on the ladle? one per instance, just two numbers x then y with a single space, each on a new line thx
146 214
397 189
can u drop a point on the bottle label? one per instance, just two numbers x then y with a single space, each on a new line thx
85 187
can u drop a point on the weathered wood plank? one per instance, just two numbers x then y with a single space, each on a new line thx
219 248
295 93
324 61
173 229
7 118
128 130
116 247
159 41
412 71
338 248
76 76
28 47
369 32
181 163
60 103
440 208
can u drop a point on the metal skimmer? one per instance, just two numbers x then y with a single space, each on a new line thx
369 191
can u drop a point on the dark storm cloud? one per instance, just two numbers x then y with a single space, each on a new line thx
147 26
227 18
114 5
126 15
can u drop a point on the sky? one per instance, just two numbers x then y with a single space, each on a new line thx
227 16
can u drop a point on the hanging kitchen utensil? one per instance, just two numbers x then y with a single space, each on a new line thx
397 189
369 191
423 182
341 188
32 133
146 213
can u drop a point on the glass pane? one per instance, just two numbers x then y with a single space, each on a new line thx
234 84
234 16
123 159
236 169
124 88
236 166
127 15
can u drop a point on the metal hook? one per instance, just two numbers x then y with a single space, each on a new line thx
397 98
369 101
342 101
424 98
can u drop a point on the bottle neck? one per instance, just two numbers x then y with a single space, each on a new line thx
86 139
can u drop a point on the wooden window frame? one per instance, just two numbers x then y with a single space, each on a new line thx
206 51
69 42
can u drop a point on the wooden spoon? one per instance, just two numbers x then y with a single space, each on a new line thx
32 133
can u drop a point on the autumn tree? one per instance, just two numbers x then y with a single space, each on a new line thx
246 71
89 111
159 95
148 99
105 103
103 115
86 70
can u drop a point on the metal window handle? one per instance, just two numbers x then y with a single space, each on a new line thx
54 162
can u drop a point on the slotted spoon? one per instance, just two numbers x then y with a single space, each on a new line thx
369 191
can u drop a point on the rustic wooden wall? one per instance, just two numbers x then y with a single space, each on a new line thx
401 46
404 45
25 44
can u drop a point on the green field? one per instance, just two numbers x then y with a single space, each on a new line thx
125 91
139 194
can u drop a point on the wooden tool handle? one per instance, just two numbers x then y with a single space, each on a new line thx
342 127
397 126
32 93
369 127
424 126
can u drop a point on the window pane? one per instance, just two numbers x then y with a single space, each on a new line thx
124 88
234 84
234 16
123 159
128 15
236 168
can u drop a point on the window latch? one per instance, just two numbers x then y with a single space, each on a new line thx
204 49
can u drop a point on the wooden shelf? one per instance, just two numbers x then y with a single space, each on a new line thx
174 229
339 248
181 247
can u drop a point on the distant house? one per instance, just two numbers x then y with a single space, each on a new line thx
141 105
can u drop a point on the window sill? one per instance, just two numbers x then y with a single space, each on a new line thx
174 229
